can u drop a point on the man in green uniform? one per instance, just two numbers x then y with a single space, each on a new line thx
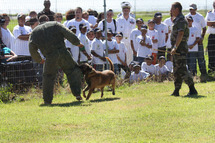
49 38
179 37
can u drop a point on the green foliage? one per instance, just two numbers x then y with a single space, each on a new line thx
5 93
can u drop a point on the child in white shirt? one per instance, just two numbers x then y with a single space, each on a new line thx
161 70
147 66
138 75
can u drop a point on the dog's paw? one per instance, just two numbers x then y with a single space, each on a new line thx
79 98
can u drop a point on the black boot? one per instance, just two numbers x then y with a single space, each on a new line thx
192 91
175 93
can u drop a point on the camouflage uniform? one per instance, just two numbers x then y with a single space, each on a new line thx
180 70
49 38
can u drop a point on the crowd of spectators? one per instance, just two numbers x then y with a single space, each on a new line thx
138 51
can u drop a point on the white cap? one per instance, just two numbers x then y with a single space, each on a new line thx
125 4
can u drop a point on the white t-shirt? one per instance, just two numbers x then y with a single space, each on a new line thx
92 20
138 77
21 46
7 38
161 70
169 65
153 34
112 45
162 30
143 51
74 50
98 48
193 34
169 23
210 17
148 68
109 26
122 51
198 21
90 44
133 36
85 41
75 23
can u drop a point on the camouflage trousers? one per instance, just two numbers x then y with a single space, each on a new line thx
60 58
180 71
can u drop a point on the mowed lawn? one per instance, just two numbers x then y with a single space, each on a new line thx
139 113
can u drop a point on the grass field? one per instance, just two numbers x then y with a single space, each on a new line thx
140 113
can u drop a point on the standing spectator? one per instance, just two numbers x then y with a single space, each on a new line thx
32 14
78 20
97 51
200 24
58 17
21 34
120 14
153 34
100 17
192 42
33 22
70 14
162 34
210 19
126 24
92 19
47 11
179 37
133 36
113 50
145 45
91 37
85 15
111 23
169 23
84 56
7 36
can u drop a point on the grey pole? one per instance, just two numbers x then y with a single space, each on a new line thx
105 14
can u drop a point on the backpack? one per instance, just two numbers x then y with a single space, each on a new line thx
103 21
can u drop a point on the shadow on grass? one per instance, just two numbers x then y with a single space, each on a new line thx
194 96
104 99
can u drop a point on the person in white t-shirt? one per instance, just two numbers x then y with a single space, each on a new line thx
192 43
78 20
113 50
147 66
121 56
91 37
138 75
133 36
74 50
21 34
162 34
145 45
169 23
84 56
7 36
153 34
92 19
70 14
97 51
111 23
169 64
200 24
161 70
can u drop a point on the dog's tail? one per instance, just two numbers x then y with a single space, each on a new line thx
111 64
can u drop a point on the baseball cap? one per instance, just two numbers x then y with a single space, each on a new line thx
90 30
139 19
109 31
149 57
189 18
21 15
125 4
158 14
136 65
151 20
82 25
193 6
97 30
27 18
162 57
144 27
119 34
72 27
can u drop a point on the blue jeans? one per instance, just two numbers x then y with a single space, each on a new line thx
191 62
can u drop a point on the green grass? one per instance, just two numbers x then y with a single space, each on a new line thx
140 113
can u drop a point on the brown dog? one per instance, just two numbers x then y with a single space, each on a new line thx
98 79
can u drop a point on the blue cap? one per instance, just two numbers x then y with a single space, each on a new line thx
158 14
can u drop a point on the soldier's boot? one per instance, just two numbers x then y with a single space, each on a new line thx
192 91
175 92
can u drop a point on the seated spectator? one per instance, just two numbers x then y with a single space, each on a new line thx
7 37
138 75
70 14
161 70
147 66
6 54
58 17
145 45
169 64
